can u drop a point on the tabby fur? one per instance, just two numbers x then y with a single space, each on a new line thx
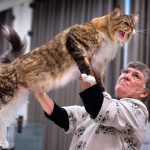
83 48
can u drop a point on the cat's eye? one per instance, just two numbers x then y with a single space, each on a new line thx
126 23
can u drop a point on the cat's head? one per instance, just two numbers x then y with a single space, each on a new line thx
121 26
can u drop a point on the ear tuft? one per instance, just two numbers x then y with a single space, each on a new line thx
136 17
116 12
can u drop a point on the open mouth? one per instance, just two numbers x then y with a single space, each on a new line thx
121 35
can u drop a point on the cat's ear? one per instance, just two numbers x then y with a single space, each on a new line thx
135 17
115 13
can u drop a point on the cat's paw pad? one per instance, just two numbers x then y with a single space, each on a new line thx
88 78
4 143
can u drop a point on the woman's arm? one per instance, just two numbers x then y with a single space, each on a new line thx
45 101
92 97
52 111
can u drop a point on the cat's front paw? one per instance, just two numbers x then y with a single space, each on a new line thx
88 78
4 143
106 95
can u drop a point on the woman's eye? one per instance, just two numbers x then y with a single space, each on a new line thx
137 76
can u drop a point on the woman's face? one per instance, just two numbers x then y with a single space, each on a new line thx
131 84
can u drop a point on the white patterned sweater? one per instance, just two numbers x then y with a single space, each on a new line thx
120 125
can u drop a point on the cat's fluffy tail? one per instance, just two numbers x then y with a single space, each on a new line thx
17 45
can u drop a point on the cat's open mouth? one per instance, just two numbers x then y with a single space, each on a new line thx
121 35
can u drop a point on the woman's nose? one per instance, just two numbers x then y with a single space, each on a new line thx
127 76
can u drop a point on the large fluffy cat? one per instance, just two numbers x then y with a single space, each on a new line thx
86 47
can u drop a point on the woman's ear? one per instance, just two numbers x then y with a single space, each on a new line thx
144 94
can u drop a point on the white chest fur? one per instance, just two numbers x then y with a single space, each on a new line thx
106 51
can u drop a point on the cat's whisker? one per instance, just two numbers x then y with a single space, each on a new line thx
141 36
141 20
142 31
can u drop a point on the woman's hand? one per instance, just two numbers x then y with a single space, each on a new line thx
38 93
44 100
